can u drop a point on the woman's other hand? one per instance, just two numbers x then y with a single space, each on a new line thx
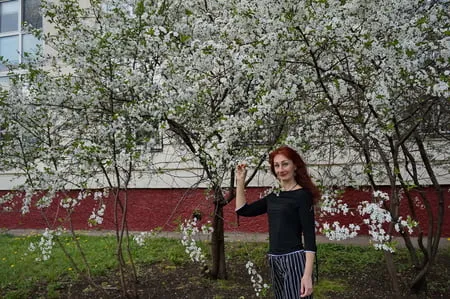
241 171
306 286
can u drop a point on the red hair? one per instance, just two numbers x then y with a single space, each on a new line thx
301 173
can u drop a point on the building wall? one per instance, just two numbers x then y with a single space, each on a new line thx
169 200
166 208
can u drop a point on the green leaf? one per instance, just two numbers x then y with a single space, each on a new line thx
208 50
422 20
140 9
410 53
184 38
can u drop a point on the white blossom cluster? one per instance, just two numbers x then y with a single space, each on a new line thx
374 216
256 279
45 199
272 189
6 198
405 225
69 203
6 202
381 195
45 245
377 218
332 204
339 232
99 195
418 203
189 230
141 237
26 201
96 216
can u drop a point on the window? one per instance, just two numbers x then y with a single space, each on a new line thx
4 82
15 41
436 122
149 137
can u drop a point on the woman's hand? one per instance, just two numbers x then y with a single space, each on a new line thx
241 172
306 286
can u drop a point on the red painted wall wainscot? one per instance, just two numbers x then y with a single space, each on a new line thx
165 208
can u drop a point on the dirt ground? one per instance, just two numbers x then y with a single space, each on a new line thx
163 280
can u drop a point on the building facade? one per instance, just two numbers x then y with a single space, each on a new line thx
170 191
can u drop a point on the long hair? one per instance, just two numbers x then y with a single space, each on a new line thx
301 173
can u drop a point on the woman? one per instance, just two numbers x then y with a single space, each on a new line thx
291 215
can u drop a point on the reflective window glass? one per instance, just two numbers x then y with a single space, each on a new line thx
16 44
29 45
4 81
31 13
9 16
9 49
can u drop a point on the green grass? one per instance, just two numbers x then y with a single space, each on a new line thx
333 258
20 273
341 258
325 286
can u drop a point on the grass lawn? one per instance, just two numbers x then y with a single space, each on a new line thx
165 269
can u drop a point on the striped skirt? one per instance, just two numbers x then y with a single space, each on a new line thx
286 271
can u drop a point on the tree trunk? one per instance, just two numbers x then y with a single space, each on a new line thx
392 274
218 270
420 287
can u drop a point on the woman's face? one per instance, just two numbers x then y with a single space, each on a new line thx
284 168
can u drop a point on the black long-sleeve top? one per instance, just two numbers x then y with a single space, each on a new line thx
290 215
